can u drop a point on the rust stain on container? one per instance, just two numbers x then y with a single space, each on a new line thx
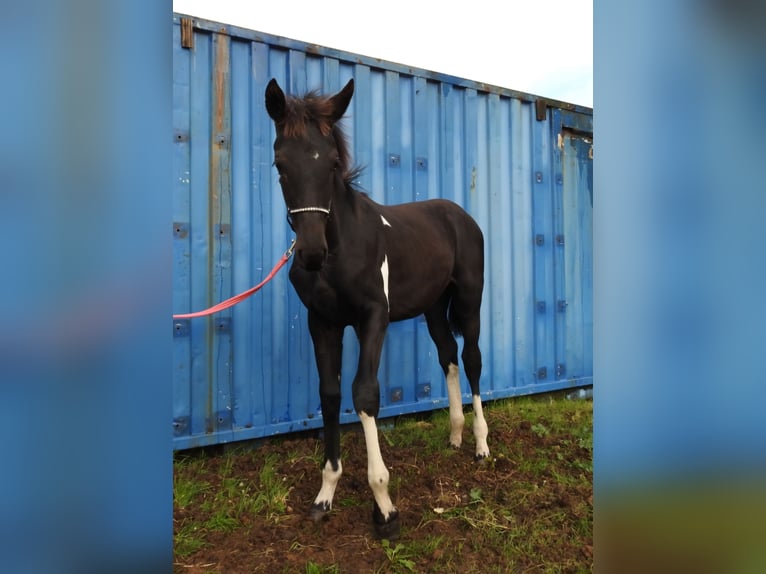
220 96
541 109
187 33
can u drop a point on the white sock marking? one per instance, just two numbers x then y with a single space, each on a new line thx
480 430
330 480
384 274
456 417
377 473
385 221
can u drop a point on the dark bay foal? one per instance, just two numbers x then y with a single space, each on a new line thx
361 264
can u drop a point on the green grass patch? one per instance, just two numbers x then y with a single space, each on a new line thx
188 539
187 487
236 497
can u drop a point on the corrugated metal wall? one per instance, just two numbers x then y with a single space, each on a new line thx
521 166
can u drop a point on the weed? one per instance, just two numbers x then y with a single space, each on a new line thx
540 430
398 557
312 568
475 496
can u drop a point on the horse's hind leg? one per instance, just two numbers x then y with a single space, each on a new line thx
328 347
472 365
466 314
446 346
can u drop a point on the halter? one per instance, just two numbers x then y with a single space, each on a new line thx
305 209
291 212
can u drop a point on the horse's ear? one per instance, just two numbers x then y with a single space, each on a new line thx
341 100
275 101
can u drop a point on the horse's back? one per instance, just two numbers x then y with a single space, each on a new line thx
440 216
437 225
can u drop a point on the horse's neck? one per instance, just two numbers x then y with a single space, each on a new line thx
348 216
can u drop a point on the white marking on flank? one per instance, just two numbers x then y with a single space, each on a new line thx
377 473
385 221
316 155
330 480
384 274
456 417
480 430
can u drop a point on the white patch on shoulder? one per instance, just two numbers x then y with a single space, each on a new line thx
385 221
316 155
384 274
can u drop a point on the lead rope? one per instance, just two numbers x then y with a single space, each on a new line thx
244 295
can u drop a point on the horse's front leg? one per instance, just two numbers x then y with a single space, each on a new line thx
371 332
328 348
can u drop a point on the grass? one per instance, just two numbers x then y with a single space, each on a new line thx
236 497
188 539
538 520
225 503
549 420
186 487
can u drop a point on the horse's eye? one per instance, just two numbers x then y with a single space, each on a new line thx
279 171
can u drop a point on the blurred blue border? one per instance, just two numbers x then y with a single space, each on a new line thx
85 157
680 312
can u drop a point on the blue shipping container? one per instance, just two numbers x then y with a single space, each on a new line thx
520 164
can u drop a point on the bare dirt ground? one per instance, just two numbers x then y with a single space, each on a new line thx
528 509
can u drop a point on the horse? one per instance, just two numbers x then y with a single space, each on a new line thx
362 264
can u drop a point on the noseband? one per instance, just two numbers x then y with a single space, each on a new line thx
291 212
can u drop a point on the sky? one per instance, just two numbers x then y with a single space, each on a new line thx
543 47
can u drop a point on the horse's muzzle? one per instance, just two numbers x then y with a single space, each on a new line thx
312 260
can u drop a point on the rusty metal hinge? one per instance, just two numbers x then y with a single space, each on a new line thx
187 33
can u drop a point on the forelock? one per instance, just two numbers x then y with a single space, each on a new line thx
299 112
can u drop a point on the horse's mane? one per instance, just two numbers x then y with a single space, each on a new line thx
318 109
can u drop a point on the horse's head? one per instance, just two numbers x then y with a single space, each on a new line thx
310 159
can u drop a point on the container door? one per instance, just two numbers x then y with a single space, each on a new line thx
575 246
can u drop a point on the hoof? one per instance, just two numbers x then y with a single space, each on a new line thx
453 446
386 529
481 457
319 511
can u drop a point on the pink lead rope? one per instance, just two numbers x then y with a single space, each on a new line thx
242 296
